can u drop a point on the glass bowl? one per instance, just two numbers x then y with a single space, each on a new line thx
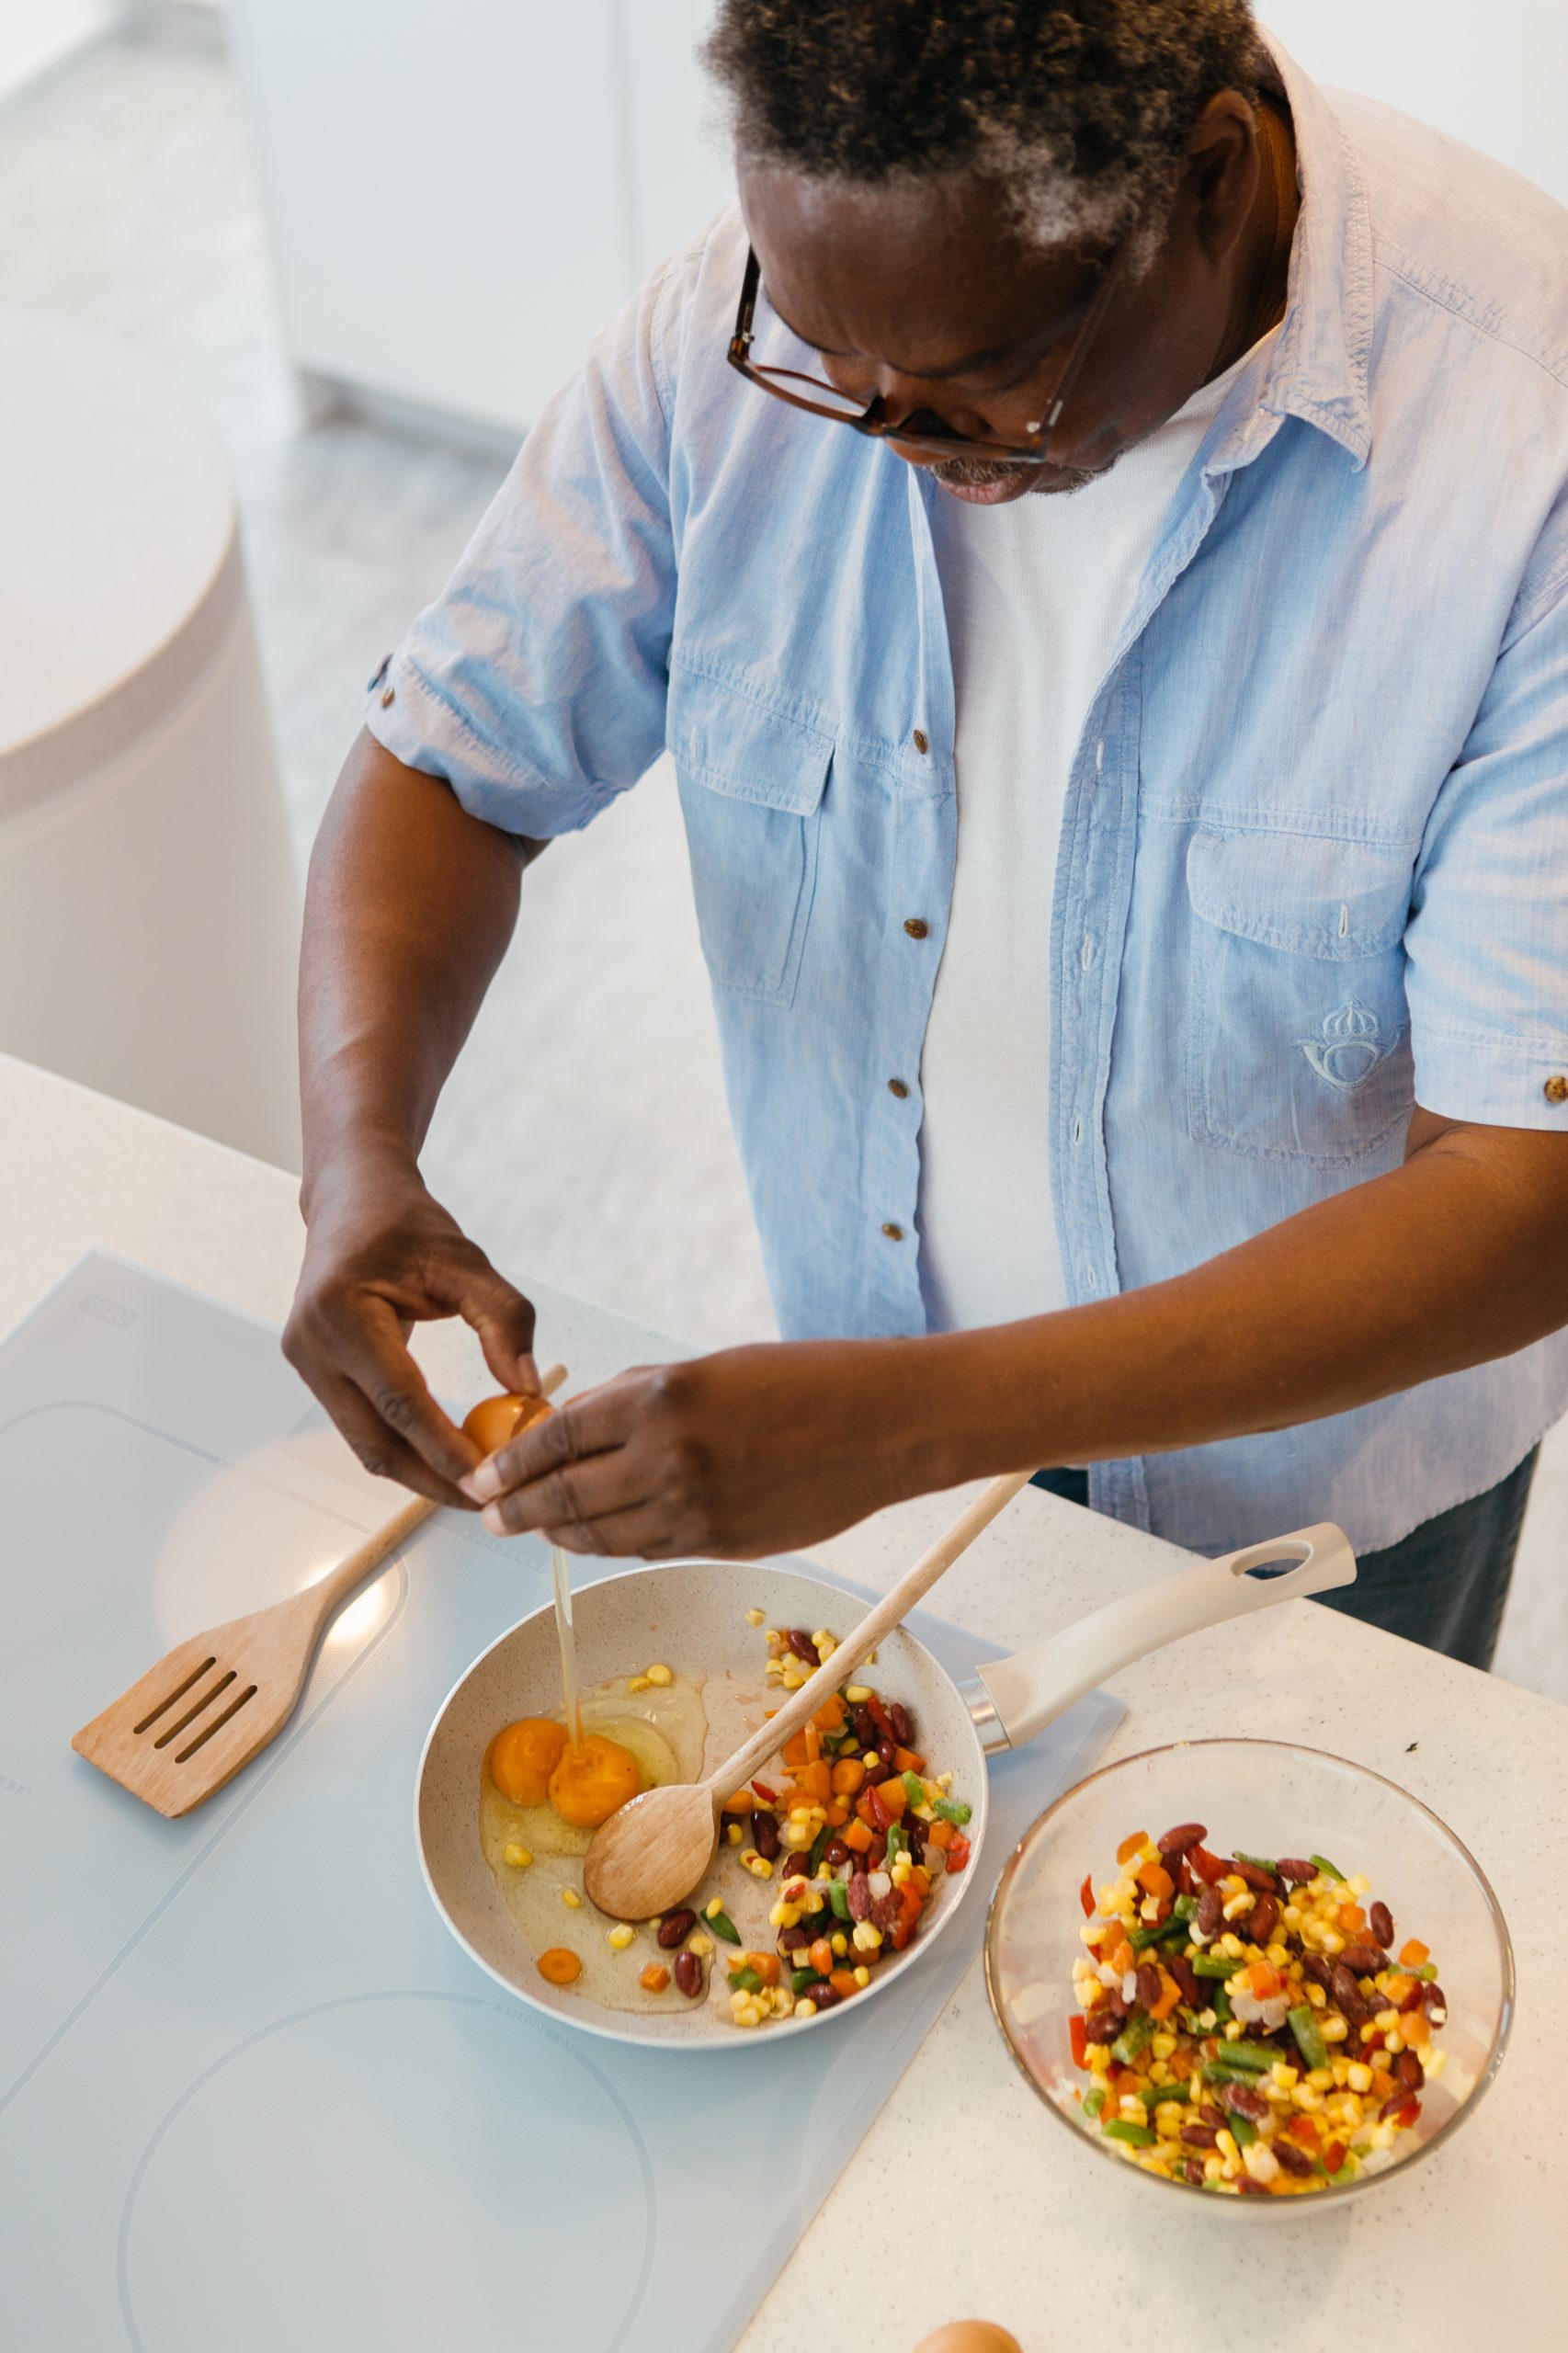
1269 1799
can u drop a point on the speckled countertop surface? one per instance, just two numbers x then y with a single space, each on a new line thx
965 2198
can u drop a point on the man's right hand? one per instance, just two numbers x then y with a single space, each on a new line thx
381 1256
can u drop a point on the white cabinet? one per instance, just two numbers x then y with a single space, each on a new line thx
460 192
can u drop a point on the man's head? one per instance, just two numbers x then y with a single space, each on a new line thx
934 193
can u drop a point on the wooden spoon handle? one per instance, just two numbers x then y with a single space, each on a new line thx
333 1590
890 1611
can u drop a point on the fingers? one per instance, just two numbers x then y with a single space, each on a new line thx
595 1423
502 1321
372 1355
577 1494
379 1449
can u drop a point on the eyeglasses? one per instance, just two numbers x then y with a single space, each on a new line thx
820 398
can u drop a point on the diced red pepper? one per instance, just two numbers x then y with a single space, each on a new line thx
1206 1867
957 1854
1087 1896
768 1797
881 1718
1333 2157
1078 2029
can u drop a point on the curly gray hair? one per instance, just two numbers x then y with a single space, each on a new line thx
1080 109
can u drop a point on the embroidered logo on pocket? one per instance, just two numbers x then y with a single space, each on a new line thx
1349 1044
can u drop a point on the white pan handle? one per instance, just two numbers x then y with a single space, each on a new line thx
1027 1691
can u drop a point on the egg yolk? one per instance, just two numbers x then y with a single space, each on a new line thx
523 1758
588 1785
495 1419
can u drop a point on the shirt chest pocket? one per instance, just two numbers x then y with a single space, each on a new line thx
751 782
1298 1044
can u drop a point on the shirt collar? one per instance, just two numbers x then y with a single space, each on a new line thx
1318 365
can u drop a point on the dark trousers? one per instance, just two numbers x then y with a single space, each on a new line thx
1444 1585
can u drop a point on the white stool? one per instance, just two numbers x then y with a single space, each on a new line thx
149 921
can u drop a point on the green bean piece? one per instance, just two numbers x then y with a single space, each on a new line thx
745 1981
1185 1906
1094 2101
1134 2037
1138 2135
914 1790
1219 2003
1309 2037
1321 1863
958 1815
802 1981
1248 2055
838 1897
1152 2094
1264 1862
1243 2132
1213 1964
723 1926
1157 1932
1216 2071
897 1843
813 1860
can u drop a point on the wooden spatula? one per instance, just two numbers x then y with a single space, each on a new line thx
212 1703
648 1857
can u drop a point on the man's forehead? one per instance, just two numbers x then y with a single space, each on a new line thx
931 274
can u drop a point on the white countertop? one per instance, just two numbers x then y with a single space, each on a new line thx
965 2198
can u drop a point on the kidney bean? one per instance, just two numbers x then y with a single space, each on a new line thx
1102 2025
689 1974
902 1723
765 1833
674 1926
1408 2071
1181 1871
1211 2115
865 1725
1255 1877
1263 1919
1192 2172
1247 2187
1314 1966
1177 1841
1147 1985
1117 2003
1200 2136
826 1997
914 1831
859 1897
1242 2100
801 1644
1187 1979
1347 1994
1209 1913
1363 1960
1433 2000
886 1750
1294 2160
793 1939
1401 2102
835 1851
1294 1872
887 1911
1381 1920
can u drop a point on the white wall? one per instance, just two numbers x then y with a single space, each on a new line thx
36 34
1494 73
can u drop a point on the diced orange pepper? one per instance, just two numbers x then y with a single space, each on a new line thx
742 1802
836 1814
1170 1994
843 1982
830 1716
1129 1846
654 1978
1417 2026
1413 1954
891 1798
1383 2082
920 1878
1399 1988
1122 1957
820 1955
856 1838
940 1833
794 1752
766 1965
908 1761
1155 1879
1303 2131
1264 1978
847 1776
1352 1919
816 1780
813 1739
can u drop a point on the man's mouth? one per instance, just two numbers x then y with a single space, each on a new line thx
987 481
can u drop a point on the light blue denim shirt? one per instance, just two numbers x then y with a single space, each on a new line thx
1315 854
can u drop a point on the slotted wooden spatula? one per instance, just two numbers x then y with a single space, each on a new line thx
212 1703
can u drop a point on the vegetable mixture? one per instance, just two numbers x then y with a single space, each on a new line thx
860 1837
1246 2024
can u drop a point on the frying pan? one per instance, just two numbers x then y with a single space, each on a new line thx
691 1613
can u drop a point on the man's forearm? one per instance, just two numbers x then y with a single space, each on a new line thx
410 906
1453 1259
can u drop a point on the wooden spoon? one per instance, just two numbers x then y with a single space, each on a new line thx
194 1720
650 1854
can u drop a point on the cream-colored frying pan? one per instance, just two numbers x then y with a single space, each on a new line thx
692 1615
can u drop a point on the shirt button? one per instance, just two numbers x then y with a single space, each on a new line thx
896 1086
388 694
921 741
916 928
893 1232
1556 1088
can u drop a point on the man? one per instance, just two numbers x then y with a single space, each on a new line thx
1128 834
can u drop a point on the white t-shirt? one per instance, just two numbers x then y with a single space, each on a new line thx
1035 595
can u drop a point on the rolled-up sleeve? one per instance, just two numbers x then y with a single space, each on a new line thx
535 684
1487 978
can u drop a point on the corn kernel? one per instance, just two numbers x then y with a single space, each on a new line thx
733 1832
1388 2020
1316 1997
1213 2169
1331 1941
755 1617
805 2007
517 1856
866 1937
711 1911
857 1694
1162 2045
1236 1908
870 1757
569 1895
1306 2099
1232 1945
1333 2029
1224 2141
840 1944
659 1675
619 1936
1359 1886
773 1670
638 1683
758 1865
1321 2079
700 1945
862 1974
1099 2058
1284 2075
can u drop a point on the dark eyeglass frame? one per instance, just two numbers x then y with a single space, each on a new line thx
873 419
